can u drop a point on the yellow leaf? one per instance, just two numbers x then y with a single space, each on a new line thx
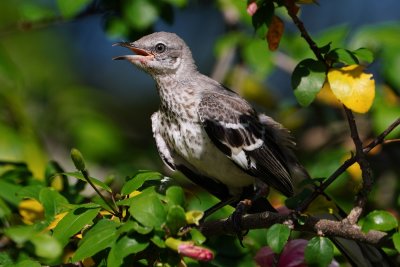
326 96
355 171
353 87
56 220
134 193
30 210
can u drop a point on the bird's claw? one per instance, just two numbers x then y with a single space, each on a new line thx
236 218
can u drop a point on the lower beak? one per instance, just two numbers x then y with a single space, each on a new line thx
139 52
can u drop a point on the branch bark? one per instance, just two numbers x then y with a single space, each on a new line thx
311 224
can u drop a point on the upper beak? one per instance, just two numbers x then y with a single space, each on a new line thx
138 51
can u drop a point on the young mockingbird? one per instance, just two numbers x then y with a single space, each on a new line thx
207 131
216 138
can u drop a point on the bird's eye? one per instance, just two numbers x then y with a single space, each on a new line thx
160 48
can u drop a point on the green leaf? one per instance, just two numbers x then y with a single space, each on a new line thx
46 246
74 221
156 239
52 201
257 56
102 235
35 12
380 220
5 211
263 15
148 209
176 219
122 248
307 80
20 234
138 180
130 226
396 241
9 191
95 181
30 191
140 13
277 236
175 195
342 55
70 9
364 55
27 263
319 251
197 236
10 75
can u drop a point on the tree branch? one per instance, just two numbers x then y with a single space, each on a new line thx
311 224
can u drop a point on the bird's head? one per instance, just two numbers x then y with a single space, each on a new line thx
159 53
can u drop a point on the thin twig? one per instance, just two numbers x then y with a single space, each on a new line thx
342 168
366 172
87 178
291 8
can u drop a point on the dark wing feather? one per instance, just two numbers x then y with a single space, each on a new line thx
236 129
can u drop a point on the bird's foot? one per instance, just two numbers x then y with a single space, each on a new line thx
236 218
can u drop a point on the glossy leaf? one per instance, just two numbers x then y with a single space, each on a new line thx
353 87
53 202
277 236
175 195
69 8
74 222
319 252
307 80
138 180
343 56
197 236
379 220
100 236
175 219
148 209
364 55
122 248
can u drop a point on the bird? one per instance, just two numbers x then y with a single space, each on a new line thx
207 131
216 138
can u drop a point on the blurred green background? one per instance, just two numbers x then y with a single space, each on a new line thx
60 89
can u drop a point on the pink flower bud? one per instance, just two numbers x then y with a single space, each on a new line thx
252 8
195 252
189 249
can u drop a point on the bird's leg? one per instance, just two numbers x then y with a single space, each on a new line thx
218 206
243 206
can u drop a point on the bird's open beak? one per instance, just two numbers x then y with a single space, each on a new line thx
140 54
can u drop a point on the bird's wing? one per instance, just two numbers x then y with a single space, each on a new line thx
236 129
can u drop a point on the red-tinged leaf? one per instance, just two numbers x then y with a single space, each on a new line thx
275 32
